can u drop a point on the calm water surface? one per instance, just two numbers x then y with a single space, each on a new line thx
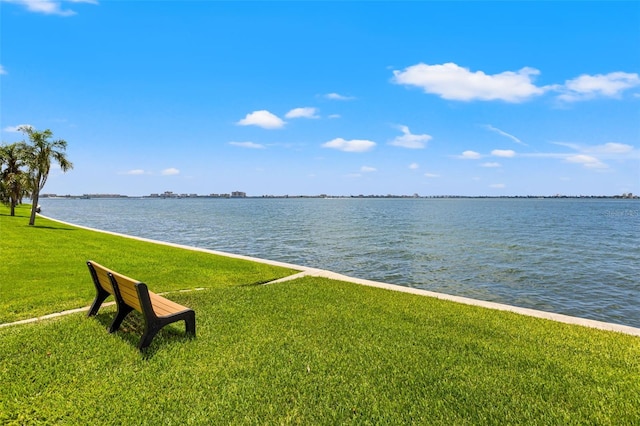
576 257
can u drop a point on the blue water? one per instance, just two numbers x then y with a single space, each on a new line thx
577 257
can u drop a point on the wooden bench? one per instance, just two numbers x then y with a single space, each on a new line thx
131 294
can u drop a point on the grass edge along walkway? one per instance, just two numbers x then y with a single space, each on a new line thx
315 272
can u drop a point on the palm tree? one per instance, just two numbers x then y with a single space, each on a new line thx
13 180
39 153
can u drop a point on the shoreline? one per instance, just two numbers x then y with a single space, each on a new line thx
315 272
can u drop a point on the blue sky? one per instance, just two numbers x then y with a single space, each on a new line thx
434 98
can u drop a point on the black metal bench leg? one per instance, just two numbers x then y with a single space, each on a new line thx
149 333
97 302
123 311
190 323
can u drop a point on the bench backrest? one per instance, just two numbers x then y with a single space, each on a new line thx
126 288
101 274
133 292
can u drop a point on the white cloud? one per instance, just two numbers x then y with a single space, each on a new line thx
498 185
573 146
170 172
591 156
470 155
587 160
2 70
505 134
408 140
453 82
306 112
134 172
587 87
490 165
262 118
334 116
356 145
16 129
432 175
609 149
506 153
613 148
49 7
338 97
367 169
414 166
251 145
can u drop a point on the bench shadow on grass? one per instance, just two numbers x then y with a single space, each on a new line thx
132 328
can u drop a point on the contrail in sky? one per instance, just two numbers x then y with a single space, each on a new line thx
505 134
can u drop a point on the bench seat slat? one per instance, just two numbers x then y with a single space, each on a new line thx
163 306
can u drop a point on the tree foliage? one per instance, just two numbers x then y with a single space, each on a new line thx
14 183
25 167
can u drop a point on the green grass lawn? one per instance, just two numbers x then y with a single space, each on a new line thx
44 269
309 351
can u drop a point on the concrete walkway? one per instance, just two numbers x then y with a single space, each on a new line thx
313 272
75 311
